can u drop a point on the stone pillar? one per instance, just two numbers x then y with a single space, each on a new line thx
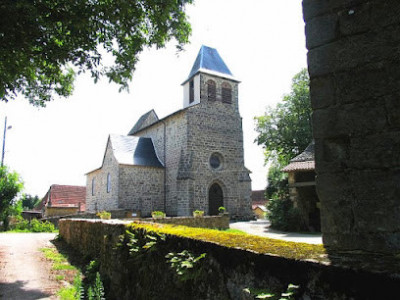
354 66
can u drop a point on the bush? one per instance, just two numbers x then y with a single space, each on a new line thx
21 225
33 226
104 215
283 216
39 226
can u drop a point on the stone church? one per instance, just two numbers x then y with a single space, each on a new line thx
190 160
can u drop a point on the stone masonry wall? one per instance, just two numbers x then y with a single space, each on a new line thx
224 272
216 127
174 131
103 200
141 189
353 61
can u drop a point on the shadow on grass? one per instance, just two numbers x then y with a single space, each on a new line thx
73 257
17 290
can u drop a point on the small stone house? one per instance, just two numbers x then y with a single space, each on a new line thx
190 160
302 188
62 200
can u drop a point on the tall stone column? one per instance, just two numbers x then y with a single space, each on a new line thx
354 66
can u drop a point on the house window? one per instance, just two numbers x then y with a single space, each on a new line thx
226 93
191 91
211 90
93 182
108 183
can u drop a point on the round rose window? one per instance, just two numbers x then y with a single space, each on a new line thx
215 160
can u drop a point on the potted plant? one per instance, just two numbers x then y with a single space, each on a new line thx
104 215
221 210
198 213
158 215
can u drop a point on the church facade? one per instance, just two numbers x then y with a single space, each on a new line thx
190 160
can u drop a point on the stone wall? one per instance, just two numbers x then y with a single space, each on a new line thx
224 273
101 198
173 132
353 62
141 189
216 127
60 211
212 222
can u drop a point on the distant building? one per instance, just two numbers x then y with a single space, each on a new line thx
62 200
190 160
301 171
258 203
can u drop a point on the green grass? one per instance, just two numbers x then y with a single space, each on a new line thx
67 293
60 277
53 255
61 266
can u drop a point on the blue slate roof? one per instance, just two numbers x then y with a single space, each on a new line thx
134 151
209 60
144 121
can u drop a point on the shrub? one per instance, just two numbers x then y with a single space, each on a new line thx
198 213
38 226
33 226
158 214
283 216
21 225
104 215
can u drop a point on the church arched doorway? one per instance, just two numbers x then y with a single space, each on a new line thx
215 199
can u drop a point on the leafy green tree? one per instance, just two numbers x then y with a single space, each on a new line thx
10 186
43 43
29 201
285 131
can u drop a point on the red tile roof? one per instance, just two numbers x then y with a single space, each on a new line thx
299 166
64 196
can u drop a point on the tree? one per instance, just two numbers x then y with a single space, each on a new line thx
28 201
10 186
43 43
285 131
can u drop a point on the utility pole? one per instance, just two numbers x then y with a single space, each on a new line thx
4 140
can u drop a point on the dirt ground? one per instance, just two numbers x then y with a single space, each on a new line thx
24 273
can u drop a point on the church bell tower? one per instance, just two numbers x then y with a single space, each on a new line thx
210 79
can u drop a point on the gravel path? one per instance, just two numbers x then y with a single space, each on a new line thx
261 228
24 273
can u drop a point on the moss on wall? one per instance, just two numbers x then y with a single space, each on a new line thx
212 222
154 261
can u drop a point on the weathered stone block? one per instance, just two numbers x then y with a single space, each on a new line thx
375 151
349 120
392 105
333 155
355 20
354 51
385 13
322 92
378 188
321 30
363 83
313 8
336 207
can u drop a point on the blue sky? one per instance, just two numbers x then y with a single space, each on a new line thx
261 41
